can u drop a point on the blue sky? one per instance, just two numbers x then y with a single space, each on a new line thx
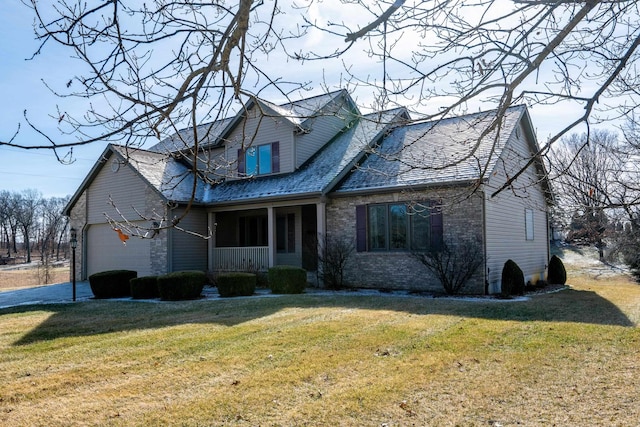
22 89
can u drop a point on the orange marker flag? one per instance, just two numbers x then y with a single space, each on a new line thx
123 237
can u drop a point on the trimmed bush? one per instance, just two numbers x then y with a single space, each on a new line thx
111 283
236 284
181 285
144 287
512 279
557 274
287 279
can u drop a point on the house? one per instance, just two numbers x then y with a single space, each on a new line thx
273 179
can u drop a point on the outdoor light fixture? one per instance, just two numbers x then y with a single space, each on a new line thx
74 244
74 238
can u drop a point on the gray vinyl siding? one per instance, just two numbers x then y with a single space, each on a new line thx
189 252
213 162
105 251
132 197
321 130
257 130
129 193
505 230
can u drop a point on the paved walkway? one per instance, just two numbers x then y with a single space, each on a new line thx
48 294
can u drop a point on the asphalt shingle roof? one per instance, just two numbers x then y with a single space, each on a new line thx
172 178
317 175
208 134
444 151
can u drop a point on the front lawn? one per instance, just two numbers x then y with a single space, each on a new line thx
565 358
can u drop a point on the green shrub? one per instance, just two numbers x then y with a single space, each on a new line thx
112 283
144 287
181 285
557 274
236 284
512 279
286 279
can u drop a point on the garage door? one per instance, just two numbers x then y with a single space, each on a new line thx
105 251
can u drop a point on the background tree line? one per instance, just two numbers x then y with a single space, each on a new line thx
32 223
596 178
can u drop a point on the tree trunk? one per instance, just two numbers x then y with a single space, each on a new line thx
27 244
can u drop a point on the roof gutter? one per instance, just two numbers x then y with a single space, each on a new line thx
425 186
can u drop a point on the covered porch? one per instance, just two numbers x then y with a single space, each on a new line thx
253 240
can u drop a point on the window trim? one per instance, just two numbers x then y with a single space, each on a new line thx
275 159
529 225
364 235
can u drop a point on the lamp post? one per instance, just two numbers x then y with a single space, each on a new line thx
74 245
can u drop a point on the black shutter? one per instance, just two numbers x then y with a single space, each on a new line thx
275 157
437 226
241 167
361 228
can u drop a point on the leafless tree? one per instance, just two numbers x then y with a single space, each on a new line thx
152 68
8 207
586 171
53 225
26 215
454 264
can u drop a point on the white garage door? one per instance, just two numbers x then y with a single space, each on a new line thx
105 251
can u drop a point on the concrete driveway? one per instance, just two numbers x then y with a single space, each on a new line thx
48 294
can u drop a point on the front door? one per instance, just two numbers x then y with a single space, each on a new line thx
288 237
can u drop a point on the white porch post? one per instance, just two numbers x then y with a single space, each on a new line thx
212 240
321 220
271 235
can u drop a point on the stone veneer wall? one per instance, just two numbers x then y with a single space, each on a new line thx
156 208
78 220
462 219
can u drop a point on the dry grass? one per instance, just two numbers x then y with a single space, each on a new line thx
17 279
566 358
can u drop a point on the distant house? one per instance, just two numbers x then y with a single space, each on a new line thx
274 179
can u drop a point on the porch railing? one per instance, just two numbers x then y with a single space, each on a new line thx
251 258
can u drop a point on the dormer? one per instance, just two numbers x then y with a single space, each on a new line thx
270 139
264 138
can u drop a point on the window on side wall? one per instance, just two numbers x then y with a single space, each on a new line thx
528 223
398 227
259 160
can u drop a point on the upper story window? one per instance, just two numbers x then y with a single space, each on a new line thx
259 160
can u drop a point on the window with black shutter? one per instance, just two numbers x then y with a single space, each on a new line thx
399 227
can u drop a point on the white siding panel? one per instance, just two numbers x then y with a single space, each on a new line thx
105 251
506 234
189 252
257 130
